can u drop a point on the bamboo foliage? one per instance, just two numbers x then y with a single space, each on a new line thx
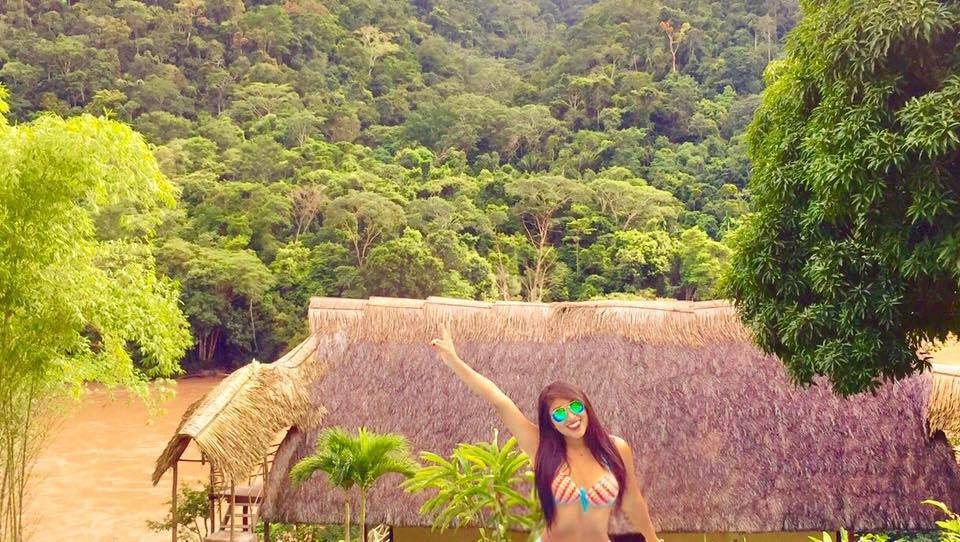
30 410
74 305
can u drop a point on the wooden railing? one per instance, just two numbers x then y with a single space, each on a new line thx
235 507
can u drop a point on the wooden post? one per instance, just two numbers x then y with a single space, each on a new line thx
233 506
173 513
213 502
260 499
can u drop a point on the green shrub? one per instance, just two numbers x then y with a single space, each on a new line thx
302 532
193 508
477 486
949 531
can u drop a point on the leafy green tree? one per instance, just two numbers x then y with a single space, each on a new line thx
359 461
702 261
638 258
184 156
849 264
240 214
578 230
634 204
675 37
20 77
589 150
221 287
268 29
74 307
109 103
524 130
672 114
463 264
221 130
505 256
539 202
257 100
160 126
260 159
363 218
376 44
478 485
161 91
403 267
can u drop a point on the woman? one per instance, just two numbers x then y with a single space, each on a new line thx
581 472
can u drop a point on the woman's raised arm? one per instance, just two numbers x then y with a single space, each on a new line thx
527 434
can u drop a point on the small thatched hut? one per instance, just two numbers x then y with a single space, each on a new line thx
723 441
234 425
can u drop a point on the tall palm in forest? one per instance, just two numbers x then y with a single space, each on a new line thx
358 461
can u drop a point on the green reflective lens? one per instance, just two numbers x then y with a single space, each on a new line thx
559 414
576 407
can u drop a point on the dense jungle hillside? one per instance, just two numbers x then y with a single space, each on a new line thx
524 149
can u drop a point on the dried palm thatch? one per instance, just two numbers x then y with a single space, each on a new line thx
943 408
380 319
723 441
235 423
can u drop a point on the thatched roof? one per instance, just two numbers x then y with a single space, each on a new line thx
652 322
943 412
236 422
723 441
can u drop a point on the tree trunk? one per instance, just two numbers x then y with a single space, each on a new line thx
577 256
363 515
346 515
253 327
673 51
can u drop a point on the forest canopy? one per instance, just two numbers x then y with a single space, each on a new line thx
524 149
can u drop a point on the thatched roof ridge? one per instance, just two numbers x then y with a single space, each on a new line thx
235 422
723 440
655 321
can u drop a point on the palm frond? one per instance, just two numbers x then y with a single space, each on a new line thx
305 468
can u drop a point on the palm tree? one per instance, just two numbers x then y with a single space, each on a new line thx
355 461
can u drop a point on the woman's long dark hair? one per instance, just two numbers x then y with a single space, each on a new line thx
552 450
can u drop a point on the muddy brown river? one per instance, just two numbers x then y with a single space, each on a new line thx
91 482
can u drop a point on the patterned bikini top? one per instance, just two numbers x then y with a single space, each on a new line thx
601 494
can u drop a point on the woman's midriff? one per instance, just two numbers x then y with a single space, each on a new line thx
572 524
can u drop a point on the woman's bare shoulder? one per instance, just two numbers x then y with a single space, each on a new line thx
620 443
